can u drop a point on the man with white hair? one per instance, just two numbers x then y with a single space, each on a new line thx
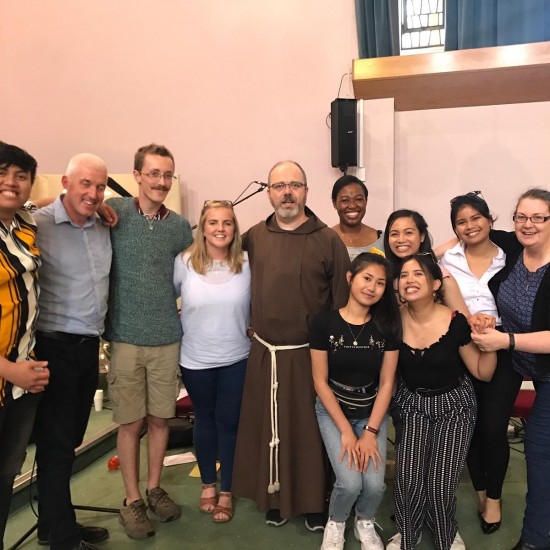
74 279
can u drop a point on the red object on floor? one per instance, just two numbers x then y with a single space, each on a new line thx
524 404
184 407
113 463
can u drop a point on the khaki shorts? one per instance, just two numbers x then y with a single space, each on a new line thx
143 380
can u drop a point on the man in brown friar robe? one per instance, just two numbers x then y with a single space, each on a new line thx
298 269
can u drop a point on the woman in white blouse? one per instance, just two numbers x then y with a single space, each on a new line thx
473 262
213 279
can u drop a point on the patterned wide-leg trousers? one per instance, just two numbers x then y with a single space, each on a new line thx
429 461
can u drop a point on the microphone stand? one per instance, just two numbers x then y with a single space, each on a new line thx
262 185
238 200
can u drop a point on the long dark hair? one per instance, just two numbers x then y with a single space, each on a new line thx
385 313
421 225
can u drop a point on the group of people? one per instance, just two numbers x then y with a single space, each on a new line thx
50 336
289 352
444 413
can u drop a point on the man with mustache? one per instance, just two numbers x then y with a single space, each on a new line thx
298 269
145 332
74 286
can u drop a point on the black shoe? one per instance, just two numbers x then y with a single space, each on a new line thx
489 528
526 546
316 522
273 518
87 534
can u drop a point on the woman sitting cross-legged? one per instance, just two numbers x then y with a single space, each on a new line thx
354 359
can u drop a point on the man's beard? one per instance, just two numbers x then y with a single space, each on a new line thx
286 213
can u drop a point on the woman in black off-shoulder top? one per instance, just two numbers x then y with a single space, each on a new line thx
437 405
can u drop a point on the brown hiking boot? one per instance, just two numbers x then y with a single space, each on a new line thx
163 506
135 521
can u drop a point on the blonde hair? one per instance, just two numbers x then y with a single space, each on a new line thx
198 253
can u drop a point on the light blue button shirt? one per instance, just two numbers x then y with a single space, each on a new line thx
74 276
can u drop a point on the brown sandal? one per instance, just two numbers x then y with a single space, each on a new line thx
227 511
207 505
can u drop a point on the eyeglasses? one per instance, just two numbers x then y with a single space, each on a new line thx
471 194
430 255
157 176
217 203
280 186
537 218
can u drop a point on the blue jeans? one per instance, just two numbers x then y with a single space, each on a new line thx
365 490
216 396
536 523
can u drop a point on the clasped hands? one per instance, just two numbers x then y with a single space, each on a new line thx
484 333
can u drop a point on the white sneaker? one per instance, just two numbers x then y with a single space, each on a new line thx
364 530
395 542
333 537
458 543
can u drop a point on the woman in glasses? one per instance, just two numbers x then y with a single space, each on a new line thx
213 279
407 233
349 198
354 358
437 404
522 293
473 261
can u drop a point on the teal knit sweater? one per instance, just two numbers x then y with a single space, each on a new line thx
142 299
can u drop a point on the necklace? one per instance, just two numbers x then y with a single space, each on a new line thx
150 220
349 238
355 338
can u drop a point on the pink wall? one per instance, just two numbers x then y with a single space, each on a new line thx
230 86
501 150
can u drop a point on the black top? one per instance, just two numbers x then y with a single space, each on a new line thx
349 364
540 319
440 364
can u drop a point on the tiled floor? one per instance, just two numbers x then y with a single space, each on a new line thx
98 487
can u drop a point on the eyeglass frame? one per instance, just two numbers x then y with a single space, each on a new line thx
293 185
470 194
224 202
157 177
530 218
429 254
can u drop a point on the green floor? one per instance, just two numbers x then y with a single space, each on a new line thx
96 486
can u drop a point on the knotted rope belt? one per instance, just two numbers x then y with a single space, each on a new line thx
274 484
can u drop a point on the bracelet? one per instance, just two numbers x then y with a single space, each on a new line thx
512 345
372 430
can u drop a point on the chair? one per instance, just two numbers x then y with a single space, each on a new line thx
523 405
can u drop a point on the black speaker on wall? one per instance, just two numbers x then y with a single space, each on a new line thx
343 130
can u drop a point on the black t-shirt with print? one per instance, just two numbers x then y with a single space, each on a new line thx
349 364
